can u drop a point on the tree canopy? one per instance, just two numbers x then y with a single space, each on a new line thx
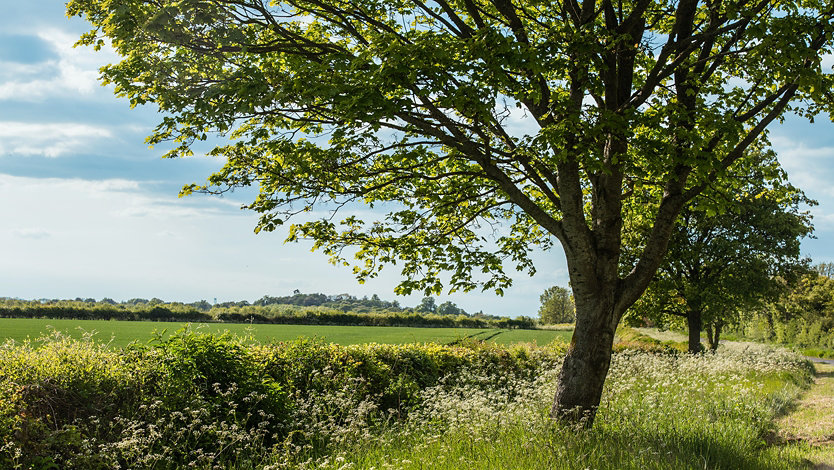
720 266
415 108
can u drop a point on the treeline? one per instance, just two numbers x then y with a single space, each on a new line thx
802 316
300 309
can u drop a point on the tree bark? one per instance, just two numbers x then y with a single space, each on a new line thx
586 364
694 322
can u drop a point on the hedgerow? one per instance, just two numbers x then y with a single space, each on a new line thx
273 313
197 400
213 400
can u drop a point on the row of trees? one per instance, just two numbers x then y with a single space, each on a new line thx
88 309
341 302
722 265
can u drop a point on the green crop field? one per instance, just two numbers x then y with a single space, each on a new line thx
122 333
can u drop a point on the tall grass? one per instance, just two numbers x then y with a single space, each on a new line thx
658 412
197 400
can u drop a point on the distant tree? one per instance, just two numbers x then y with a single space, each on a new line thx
825 269
722 265
427 305
108 300
557 306
810 300
202 305
449 308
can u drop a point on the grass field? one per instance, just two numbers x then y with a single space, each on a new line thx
122 333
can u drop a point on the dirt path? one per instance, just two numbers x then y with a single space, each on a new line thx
812 421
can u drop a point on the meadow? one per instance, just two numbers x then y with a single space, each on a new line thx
200 400
121 333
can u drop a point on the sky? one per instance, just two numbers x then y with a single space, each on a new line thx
88 210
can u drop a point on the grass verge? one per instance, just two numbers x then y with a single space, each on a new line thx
197 400
660 411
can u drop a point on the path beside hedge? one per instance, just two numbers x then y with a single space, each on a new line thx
812 421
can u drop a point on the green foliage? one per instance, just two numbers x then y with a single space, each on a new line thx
722 264
412 109
332 104
203 400
427 305
557 306
264 311
211 400
803 316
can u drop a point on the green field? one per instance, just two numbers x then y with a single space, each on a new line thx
122 333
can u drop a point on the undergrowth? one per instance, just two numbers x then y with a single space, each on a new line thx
198 400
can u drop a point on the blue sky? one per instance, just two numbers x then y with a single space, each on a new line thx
89 211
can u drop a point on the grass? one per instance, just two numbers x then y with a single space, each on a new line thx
658 412
809 426
818 352
122 333
218 402
812 421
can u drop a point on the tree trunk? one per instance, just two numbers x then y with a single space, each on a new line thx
693 320
586 365
713 335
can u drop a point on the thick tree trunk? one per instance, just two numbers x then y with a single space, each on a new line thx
586 365
693 321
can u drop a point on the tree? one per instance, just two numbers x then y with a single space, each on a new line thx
721 265
810 300
825 269
802 316
411 107
427 305
557 306
449 308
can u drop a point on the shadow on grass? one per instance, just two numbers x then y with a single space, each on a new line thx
825 375
475 336
686 451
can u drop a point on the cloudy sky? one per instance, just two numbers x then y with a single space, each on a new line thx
88 210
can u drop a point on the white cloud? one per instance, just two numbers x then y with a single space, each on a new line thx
100 201
179 249
32 233
154 210
809 168
49 139
823 220
74 72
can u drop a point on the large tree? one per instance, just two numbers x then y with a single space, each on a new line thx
414 107
731 252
